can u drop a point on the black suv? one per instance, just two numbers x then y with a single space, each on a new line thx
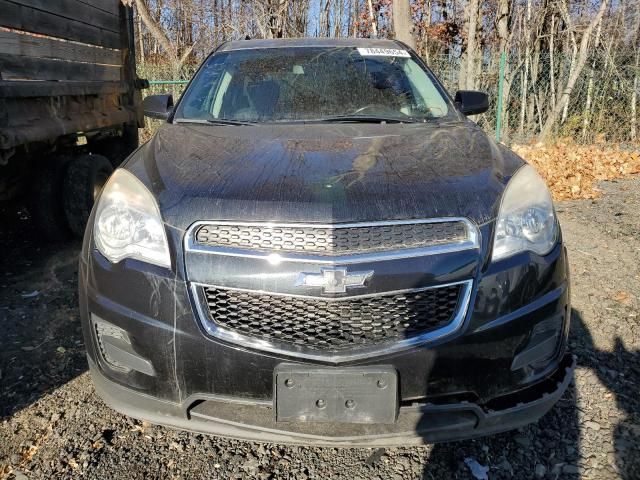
319 247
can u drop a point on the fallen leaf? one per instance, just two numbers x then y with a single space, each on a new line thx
622 297
572 170
29 452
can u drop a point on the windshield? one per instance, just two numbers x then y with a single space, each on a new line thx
307 84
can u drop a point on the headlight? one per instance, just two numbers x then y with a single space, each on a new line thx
128 222
526 221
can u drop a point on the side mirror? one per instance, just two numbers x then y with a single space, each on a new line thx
158 106
472 102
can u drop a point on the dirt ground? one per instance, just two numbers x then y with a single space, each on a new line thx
52 425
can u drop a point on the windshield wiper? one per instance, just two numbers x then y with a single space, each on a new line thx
367 119
213 121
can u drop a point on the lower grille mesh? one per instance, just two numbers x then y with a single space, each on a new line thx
319 324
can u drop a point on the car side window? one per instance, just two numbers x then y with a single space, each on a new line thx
424 90
198 103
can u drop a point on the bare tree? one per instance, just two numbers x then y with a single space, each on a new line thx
372 19
470 51
171 48
324 23
271 17
634 97
402 22
573 77
586 116
575 57
634 39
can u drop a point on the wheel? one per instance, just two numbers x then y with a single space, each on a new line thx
45 199
84 178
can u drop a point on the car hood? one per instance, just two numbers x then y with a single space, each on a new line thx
327 173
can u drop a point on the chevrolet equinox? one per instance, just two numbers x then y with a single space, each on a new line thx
318 247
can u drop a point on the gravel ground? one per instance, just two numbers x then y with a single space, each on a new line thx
53 424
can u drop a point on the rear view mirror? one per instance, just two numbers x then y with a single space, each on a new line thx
158 106
472 102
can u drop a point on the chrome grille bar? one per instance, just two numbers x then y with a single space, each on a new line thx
333 243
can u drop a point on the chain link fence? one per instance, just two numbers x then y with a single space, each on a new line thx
602 105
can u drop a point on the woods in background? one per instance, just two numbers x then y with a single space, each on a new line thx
569 67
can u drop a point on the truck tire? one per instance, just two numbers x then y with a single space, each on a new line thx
45 200
84 178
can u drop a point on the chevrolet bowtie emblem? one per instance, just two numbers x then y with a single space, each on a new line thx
334 280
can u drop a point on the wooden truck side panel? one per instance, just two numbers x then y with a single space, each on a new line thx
66 67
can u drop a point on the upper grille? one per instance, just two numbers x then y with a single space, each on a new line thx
333 325
332 240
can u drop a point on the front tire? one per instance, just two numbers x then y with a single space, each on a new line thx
83 181
45 202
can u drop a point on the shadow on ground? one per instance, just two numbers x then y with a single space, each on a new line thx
619 372
41 344
552 447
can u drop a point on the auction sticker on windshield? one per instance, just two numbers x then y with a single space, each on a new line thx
383 52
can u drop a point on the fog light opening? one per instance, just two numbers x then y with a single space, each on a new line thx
116 348
542 347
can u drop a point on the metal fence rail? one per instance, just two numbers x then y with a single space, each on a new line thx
602 105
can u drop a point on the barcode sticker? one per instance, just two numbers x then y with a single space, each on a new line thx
383 52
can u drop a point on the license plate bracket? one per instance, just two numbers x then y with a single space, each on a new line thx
336 395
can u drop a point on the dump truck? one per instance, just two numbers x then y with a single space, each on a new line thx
69 105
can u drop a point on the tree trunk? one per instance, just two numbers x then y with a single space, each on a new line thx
552 68
574 58
278 12
636 82
535 71
466 80
573 78
156 30
424 40
402 22
337 27
176 60
323 24
372 20
216 22
503 15
586 117
503 24
607 79
527 63
354 18
634 98
140 39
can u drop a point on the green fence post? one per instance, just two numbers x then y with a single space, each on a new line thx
503 59
168 82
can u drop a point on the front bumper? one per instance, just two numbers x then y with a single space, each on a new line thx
488 377
415 425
